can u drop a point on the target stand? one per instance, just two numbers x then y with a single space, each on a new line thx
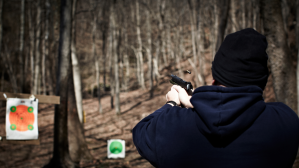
21 117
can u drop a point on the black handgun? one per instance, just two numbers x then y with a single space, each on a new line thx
175 80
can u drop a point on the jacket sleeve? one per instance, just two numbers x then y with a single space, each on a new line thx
144 135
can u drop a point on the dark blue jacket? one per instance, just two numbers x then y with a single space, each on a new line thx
229 127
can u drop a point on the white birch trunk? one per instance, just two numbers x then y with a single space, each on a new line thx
116 69
126 59
149 52
139 48
215 34
75 66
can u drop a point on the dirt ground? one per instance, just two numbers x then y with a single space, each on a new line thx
135 105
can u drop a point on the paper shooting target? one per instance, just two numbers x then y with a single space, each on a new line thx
21 119
116 148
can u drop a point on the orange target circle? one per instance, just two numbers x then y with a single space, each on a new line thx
22 118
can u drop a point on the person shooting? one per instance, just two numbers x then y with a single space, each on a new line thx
227 124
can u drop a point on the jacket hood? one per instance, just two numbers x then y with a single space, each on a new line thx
226 112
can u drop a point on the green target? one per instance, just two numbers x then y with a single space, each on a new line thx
30 109
115 147
13 127
30 127
13 108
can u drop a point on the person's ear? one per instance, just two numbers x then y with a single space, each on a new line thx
213 82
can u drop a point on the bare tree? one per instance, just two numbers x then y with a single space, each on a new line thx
139 47
115 51
95 15
243 6
222 15
192 12
61 156
126 57
111 60
75 65
281 63
77 145
37 48
235 24
32 46
297 40
149 52
21 54
6 60
256 15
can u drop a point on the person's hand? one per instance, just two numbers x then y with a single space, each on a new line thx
173 95
184 97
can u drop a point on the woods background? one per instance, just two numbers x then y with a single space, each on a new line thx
82 49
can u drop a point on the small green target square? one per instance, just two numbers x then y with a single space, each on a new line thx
115 147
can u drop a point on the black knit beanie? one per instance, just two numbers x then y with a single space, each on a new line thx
242 60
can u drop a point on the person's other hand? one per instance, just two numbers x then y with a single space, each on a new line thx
173 95
184 97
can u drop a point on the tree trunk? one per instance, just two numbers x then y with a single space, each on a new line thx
96 59
77 145
75 65
200 42
104 51
61 156
193 33
110 56
285 9
156 62
243 2
149 53
115 58
222 15
126 58
21 56
139 46
235 24
215 29
178 52
199 77
297 40
256 15
45 46
37 48
7 63
31 37
281 63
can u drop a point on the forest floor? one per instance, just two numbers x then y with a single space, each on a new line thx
99 128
